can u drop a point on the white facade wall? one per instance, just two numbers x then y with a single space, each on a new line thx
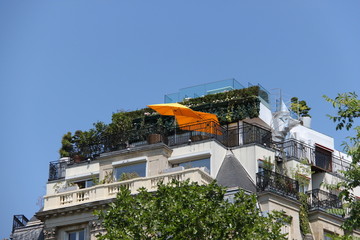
310 136
200 150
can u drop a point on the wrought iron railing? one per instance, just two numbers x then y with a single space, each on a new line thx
229 137
57 170
255 134
296 150
321 200
268 181
19 221
293 149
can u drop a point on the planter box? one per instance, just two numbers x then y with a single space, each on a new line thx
156 138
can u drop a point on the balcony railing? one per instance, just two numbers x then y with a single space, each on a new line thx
19 221
231 137
321 200
268 181
107 191
296 150
57 170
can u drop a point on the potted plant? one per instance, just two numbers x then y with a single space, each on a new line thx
302 110
158 134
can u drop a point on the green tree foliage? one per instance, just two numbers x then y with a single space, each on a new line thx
184 210
348 110
300 107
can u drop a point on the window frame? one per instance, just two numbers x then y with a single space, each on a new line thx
85 181
186 158
194 160
129 162
77 232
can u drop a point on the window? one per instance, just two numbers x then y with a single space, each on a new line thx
79 235
260 166
328 235
323 158
130 171
85 183
303 188
196 163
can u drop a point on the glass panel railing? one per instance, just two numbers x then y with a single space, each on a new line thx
203 89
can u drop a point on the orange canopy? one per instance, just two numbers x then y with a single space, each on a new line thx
173 109
206 123
189 119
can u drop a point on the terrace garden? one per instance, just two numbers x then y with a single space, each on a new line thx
135 126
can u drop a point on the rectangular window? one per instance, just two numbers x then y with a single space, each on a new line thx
260 166
79 235
197 163
85 183
303 188
328 235
130 171
323 158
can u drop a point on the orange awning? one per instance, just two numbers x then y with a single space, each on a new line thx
189 119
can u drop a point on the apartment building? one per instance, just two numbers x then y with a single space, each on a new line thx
237 154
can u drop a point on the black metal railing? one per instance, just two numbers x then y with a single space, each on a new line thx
229 137
339 165
296 150
57 170
268 181
19 221
293 149
255 134
321 200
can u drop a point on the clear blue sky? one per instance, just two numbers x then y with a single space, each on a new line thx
67 64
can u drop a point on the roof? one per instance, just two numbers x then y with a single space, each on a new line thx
32 231
233 174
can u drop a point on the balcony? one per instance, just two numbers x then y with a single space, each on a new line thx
108 191
19 221
203 89
229 137
320 159
57 170
268 181
321 200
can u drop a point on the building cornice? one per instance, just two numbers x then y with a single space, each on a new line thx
85 207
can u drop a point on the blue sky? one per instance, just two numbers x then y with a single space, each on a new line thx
67 64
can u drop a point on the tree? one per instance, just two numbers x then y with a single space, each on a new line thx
348 110
184 210
300 107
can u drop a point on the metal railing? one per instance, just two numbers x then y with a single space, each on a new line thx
321 200
57 170
255 134
19 221
268 181
231 137
296 150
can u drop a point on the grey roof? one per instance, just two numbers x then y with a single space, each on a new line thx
33 219
33 233
233 174
33 230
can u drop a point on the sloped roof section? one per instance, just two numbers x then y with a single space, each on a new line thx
28 234
32 231
233 174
